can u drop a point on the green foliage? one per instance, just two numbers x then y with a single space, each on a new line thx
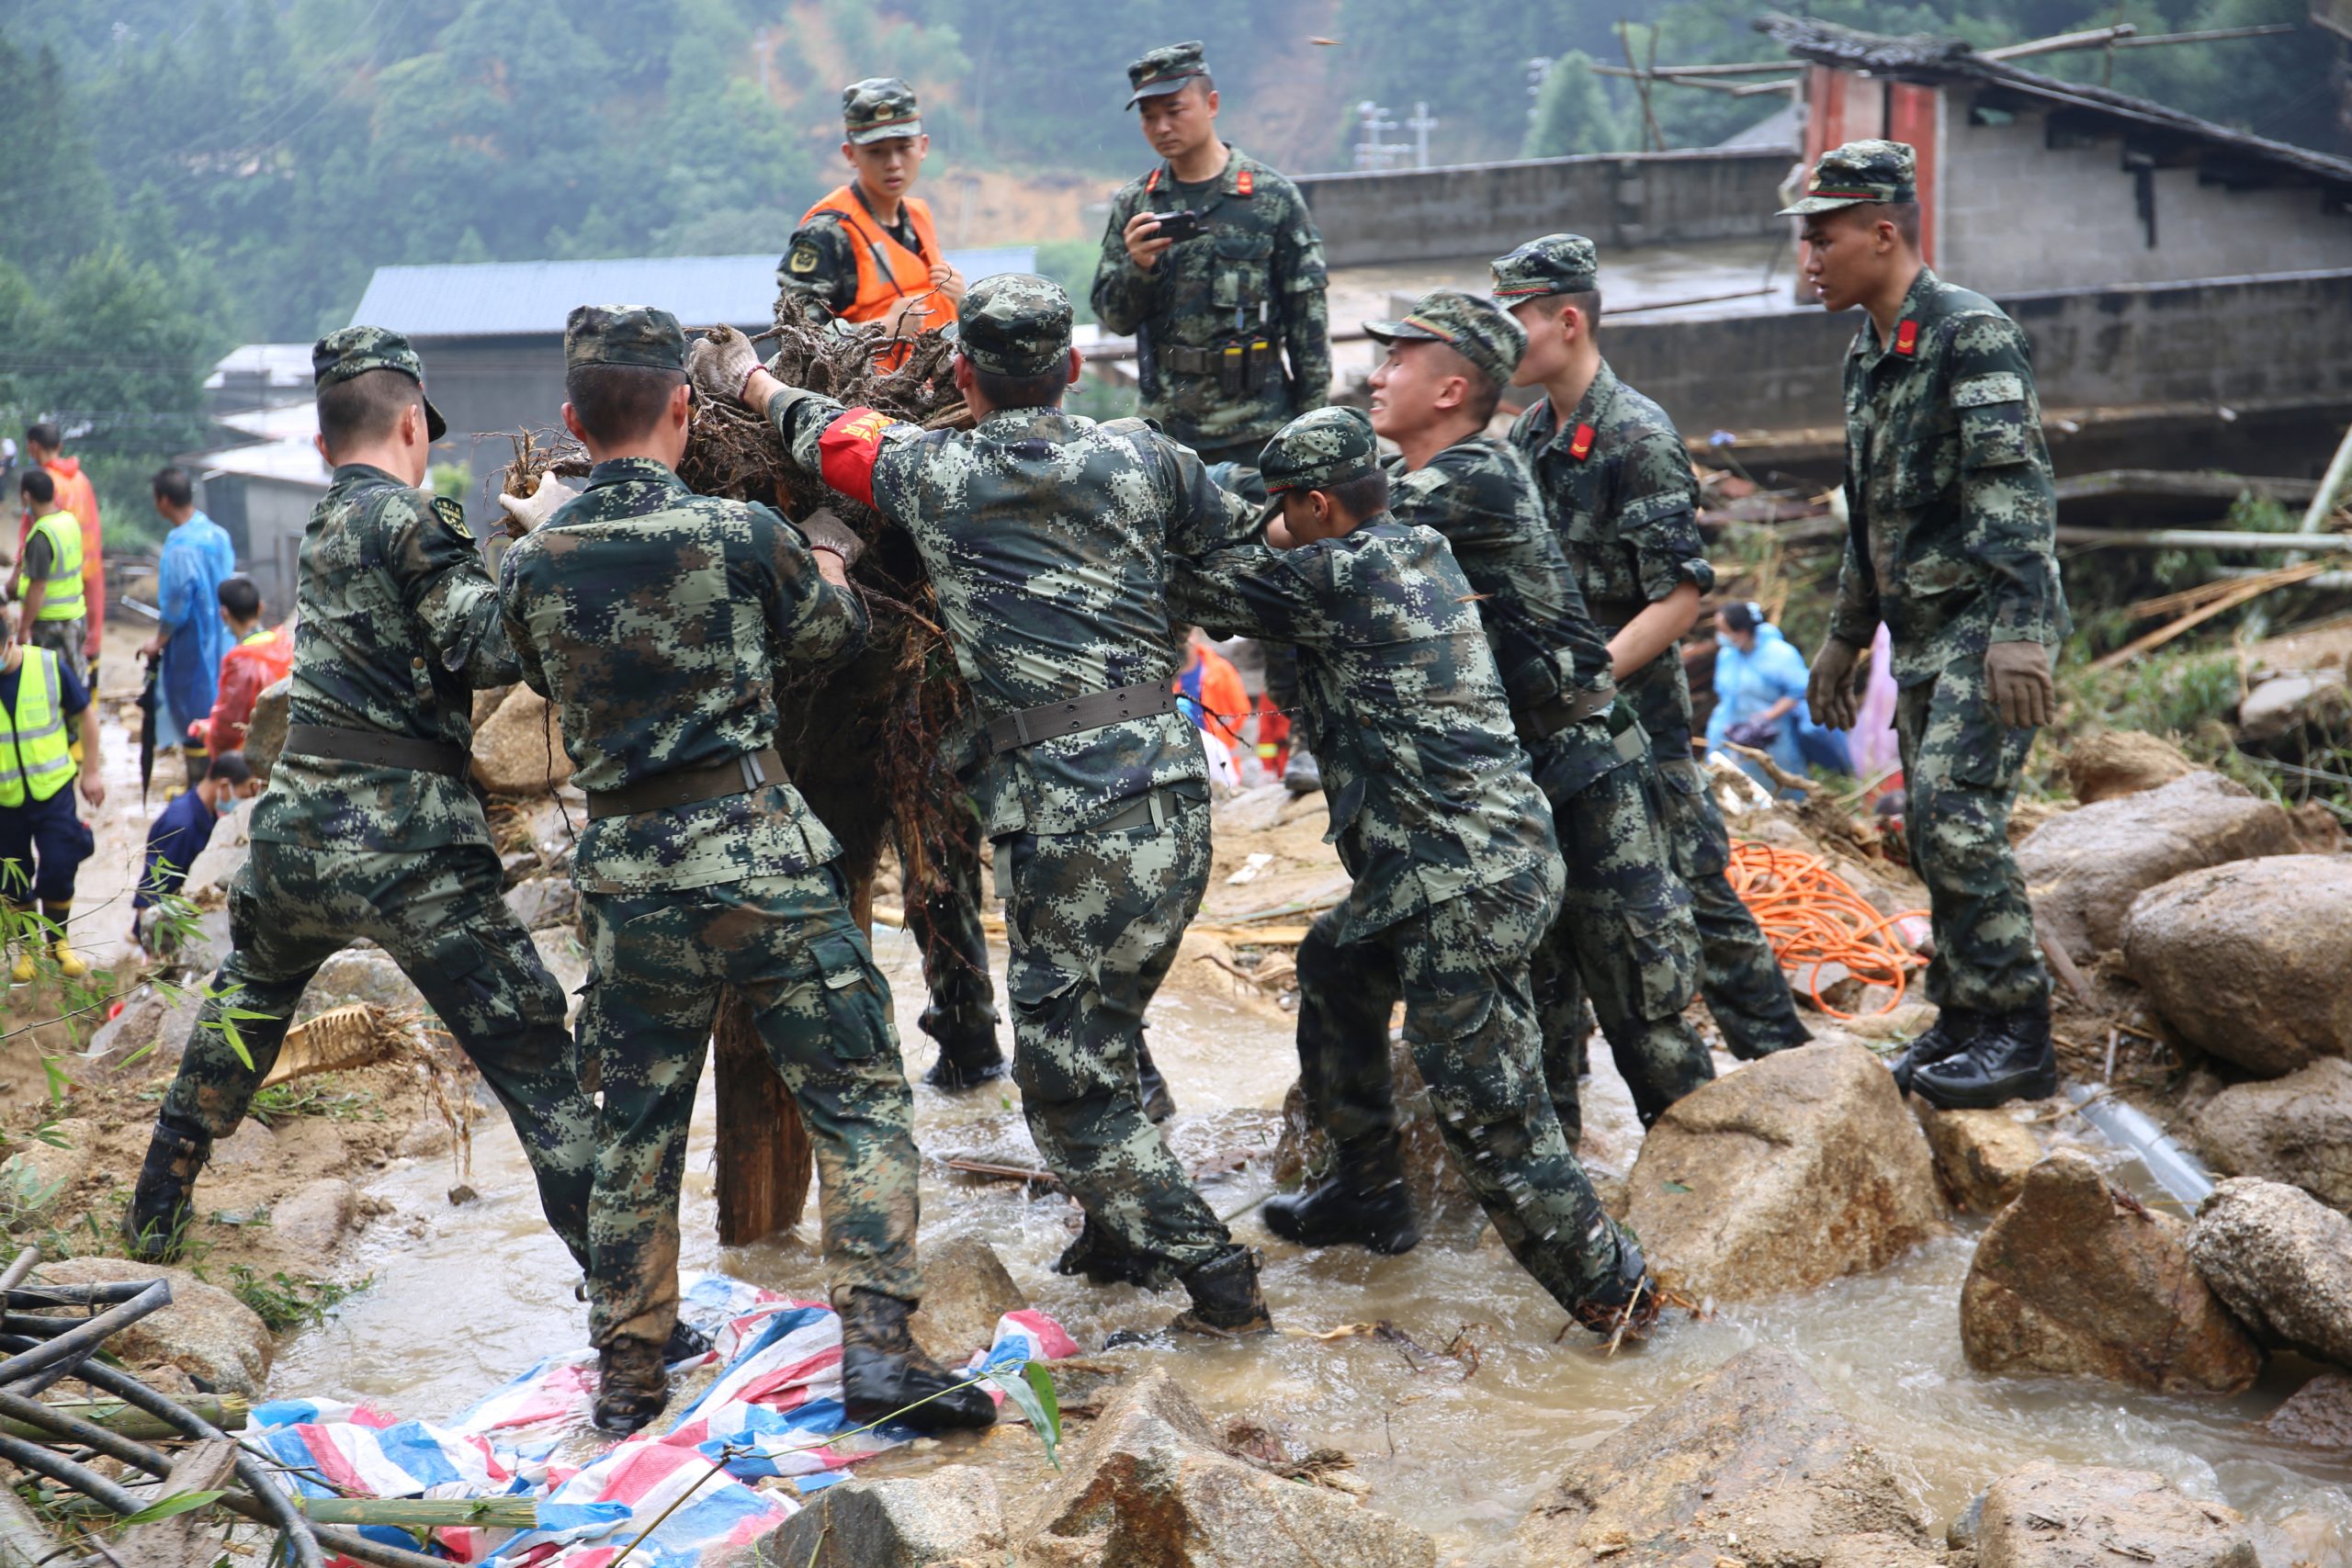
1573 114
290 1300
322 1095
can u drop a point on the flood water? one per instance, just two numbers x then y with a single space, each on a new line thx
486 1290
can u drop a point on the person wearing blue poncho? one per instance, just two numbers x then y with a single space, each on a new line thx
192 638
1759 698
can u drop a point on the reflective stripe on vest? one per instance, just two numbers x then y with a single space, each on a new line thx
62 600
36 757
887 270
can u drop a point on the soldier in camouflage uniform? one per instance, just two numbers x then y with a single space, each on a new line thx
657 621
1618 484
1048 538
368 828
1953 514
1456 878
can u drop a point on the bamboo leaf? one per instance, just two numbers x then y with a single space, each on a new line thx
173 1506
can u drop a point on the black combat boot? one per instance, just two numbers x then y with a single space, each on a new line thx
1102 1258
966 1060
884 1371
1362 1203
156 1223
1227 1302
2011 1058
631 1387
1954 1030
686 1342
1159 1105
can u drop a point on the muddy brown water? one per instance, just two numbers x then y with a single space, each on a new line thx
484 1290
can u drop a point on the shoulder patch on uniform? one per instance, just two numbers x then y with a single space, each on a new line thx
803 259
453 517
1983 391
1906 337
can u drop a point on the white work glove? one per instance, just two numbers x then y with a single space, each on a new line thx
827 532
720 361
527 513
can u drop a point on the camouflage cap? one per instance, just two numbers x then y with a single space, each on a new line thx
1165 70
1015 323
1479 330
354 351
623 335
1556 264
1317 450
877 110
1872 170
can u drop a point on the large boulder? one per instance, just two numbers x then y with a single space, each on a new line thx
2297 1129
206 1332
1438 1190
229 847
1150 1486
893 1524
1982 1155
2122 761
966 1288
266 735
1752 1463
2282 1261
1789 1173
519 749
2319 1414
2078 1279
2084 867
2248 961
2051 1515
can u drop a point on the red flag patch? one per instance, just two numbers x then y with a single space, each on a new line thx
1242 183
848 449
1906 337
1580 446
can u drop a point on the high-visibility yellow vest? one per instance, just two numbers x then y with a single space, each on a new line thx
34 755
62 602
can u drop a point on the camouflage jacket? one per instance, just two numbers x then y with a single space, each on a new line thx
1947 487
400 627
656 621
1627 509
1047 537
1429 789
1255 273
1480 494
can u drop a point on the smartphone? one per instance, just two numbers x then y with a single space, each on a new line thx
1184 225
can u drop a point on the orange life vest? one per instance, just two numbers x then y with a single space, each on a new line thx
887 270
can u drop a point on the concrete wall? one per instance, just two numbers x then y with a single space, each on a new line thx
1655 198
2014 212
2225 341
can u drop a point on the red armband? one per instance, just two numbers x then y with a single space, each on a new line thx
848 450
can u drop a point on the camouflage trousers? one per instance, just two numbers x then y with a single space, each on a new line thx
1460 967
945 924
822 1010
69 642
1094 921
1960 775
1625 937
1745 985
439 914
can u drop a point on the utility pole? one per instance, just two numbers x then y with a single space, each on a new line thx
1421 124
1371 150
1539 71
767 69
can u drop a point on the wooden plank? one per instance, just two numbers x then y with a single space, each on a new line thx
765 1160
184 1540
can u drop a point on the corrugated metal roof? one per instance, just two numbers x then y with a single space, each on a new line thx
503 298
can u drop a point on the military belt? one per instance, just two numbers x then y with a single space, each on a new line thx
1242 366
1615 613
377 750
1549 718
1051 721
739 774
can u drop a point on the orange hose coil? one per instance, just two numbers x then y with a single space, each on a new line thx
1812 916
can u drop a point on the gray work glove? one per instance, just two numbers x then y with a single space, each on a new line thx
720 362
2016 675
1829 694
827 532
525 512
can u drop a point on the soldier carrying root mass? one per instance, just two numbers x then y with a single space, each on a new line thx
1048 538
657 621
368 828
1456 878
1953 516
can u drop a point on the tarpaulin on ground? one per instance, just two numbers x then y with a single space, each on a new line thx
774 1410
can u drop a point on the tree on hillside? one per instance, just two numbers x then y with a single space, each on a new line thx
1573 113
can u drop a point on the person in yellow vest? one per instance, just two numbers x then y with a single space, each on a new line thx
48 577
869 251
45 717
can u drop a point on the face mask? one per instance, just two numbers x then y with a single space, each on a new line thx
226 805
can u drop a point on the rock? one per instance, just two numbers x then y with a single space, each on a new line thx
567 961
361 975
2288 701
1789 1173
222 854
40 1166
265 736
2076 1279
487 701
1752 1463
2297 1129
893 1524
2119 763
542 901
2319 1414
317 1216
1148 1486
1879 1550
965 1290
2282 1261
1437 1189
2248 961
206 1332
1982 1155
2085 868
1257 809
519 751
252 1143
2051 1516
